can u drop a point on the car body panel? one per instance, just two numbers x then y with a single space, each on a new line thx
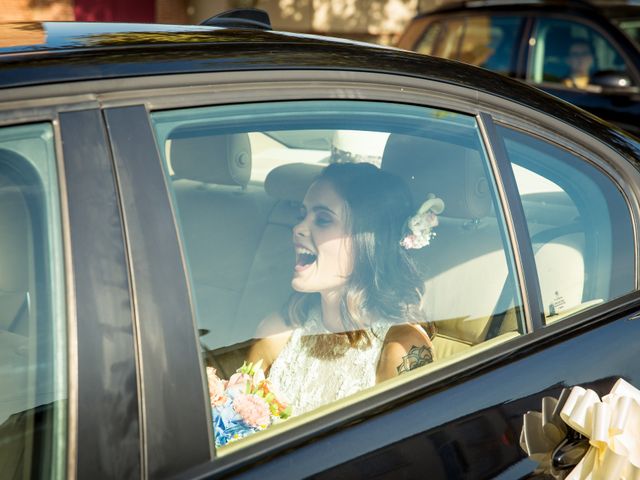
457 441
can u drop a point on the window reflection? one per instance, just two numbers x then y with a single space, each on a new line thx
333 245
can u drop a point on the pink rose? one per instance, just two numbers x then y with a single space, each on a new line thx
238 382
253 410
216 388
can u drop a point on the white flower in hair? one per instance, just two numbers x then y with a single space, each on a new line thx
419 228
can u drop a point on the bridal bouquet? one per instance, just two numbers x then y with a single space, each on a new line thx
244 404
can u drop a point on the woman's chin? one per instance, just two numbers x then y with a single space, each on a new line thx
300 285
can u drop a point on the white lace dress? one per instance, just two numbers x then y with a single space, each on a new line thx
317 367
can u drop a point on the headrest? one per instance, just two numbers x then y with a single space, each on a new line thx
197 154
451 172
291 182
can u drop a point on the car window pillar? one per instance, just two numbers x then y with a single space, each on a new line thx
106 422
172 386
516 224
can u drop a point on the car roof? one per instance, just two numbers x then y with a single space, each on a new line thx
17 37
62 52
35 53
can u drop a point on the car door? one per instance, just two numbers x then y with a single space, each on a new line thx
528 279
560 43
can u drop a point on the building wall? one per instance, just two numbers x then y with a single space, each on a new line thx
161 11
143 11
172 11
27 10
370 20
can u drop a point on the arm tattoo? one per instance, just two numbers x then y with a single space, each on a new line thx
415 358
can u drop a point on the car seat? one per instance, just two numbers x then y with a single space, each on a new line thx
221 221
239 254
465 266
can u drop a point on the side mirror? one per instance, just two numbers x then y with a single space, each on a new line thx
613 82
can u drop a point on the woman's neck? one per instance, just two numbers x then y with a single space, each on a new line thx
331 314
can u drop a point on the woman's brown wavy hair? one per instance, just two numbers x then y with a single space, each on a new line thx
385 283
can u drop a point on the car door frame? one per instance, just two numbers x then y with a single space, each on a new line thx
125 109
229 87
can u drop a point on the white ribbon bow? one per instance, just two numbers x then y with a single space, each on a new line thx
542 432
613 428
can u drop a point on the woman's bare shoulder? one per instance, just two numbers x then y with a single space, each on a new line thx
274 324
407 334
271 337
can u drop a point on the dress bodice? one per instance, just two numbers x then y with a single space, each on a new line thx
316 367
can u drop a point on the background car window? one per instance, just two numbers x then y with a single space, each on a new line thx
631 26
442 39
32 314
482 40
579 223
565 50
236 228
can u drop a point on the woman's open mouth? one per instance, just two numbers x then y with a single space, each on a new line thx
304 258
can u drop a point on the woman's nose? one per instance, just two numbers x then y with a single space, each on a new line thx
301 229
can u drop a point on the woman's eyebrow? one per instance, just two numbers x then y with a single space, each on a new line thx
323 208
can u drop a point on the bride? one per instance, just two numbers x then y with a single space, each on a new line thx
354 319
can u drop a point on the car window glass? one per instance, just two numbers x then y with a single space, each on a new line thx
369 268
32 314
631 26
481 40
490 42
428 41
442 39
573 54
580 227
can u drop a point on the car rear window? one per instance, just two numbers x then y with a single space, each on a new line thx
33 387
384 214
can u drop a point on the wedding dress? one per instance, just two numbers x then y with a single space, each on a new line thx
317 367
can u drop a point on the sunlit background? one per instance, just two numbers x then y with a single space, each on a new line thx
377 21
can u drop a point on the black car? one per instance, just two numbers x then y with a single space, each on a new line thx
545 43
150 178
626 15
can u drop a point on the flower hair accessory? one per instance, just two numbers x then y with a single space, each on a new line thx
419 228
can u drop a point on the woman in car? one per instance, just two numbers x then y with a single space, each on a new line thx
355 317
